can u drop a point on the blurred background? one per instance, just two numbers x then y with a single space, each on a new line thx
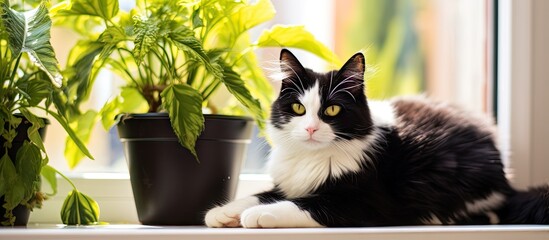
438 48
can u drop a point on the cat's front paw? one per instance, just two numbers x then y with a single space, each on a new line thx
282 214
259 217
222 217
229 215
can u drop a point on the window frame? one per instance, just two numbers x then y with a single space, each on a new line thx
520 83
519 71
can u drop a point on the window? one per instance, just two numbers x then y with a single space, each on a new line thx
412 46
442 48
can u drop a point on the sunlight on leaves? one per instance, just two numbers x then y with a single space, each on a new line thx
72 134
235 85
30 32
50 175
83 128
296 37
128 101
105 9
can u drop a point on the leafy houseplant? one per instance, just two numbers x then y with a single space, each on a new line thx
30 81
173 56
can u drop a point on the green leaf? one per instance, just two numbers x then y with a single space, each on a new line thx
83 127
184 106
10 134
71 133
50 175
184 40
32 132
197 21
82 68
296 37
15 194
254 77
14 22
28 163
14 121
30 32
34 137
146 35
236 86
113 35
85 25
235 18
128 101
252 15
8 174
36 89
105 9
18 181
79 209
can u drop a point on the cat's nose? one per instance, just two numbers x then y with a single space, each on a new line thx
311 130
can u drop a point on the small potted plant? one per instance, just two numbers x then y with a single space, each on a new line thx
174 55
30 81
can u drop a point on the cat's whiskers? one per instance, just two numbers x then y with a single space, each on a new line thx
345 91
262 146
297 87
350 135
284 138
285 91
346 80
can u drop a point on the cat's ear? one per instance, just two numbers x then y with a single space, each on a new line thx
289 63
354 68
290 68
351 76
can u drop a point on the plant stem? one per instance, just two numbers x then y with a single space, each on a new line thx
66 178
145 65
169 57
210 89
200 83
124 67
161 68
14 71
165 62
151 94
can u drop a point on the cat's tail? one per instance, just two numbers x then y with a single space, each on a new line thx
526 207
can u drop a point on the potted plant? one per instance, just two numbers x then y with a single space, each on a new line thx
30 81
174 55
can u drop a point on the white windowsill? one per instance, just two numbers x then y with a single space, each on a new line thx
117 206
137 232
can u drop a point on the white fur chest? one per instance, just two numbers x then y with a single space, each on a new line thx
298 172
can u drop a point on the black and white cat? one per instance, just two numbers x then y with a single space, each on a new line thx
339 160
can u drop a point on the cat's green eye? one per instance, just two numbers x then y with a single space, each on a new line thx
332 110
298 108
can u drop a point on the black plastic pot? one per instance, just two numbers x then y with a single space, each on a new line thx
20 212
169 186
